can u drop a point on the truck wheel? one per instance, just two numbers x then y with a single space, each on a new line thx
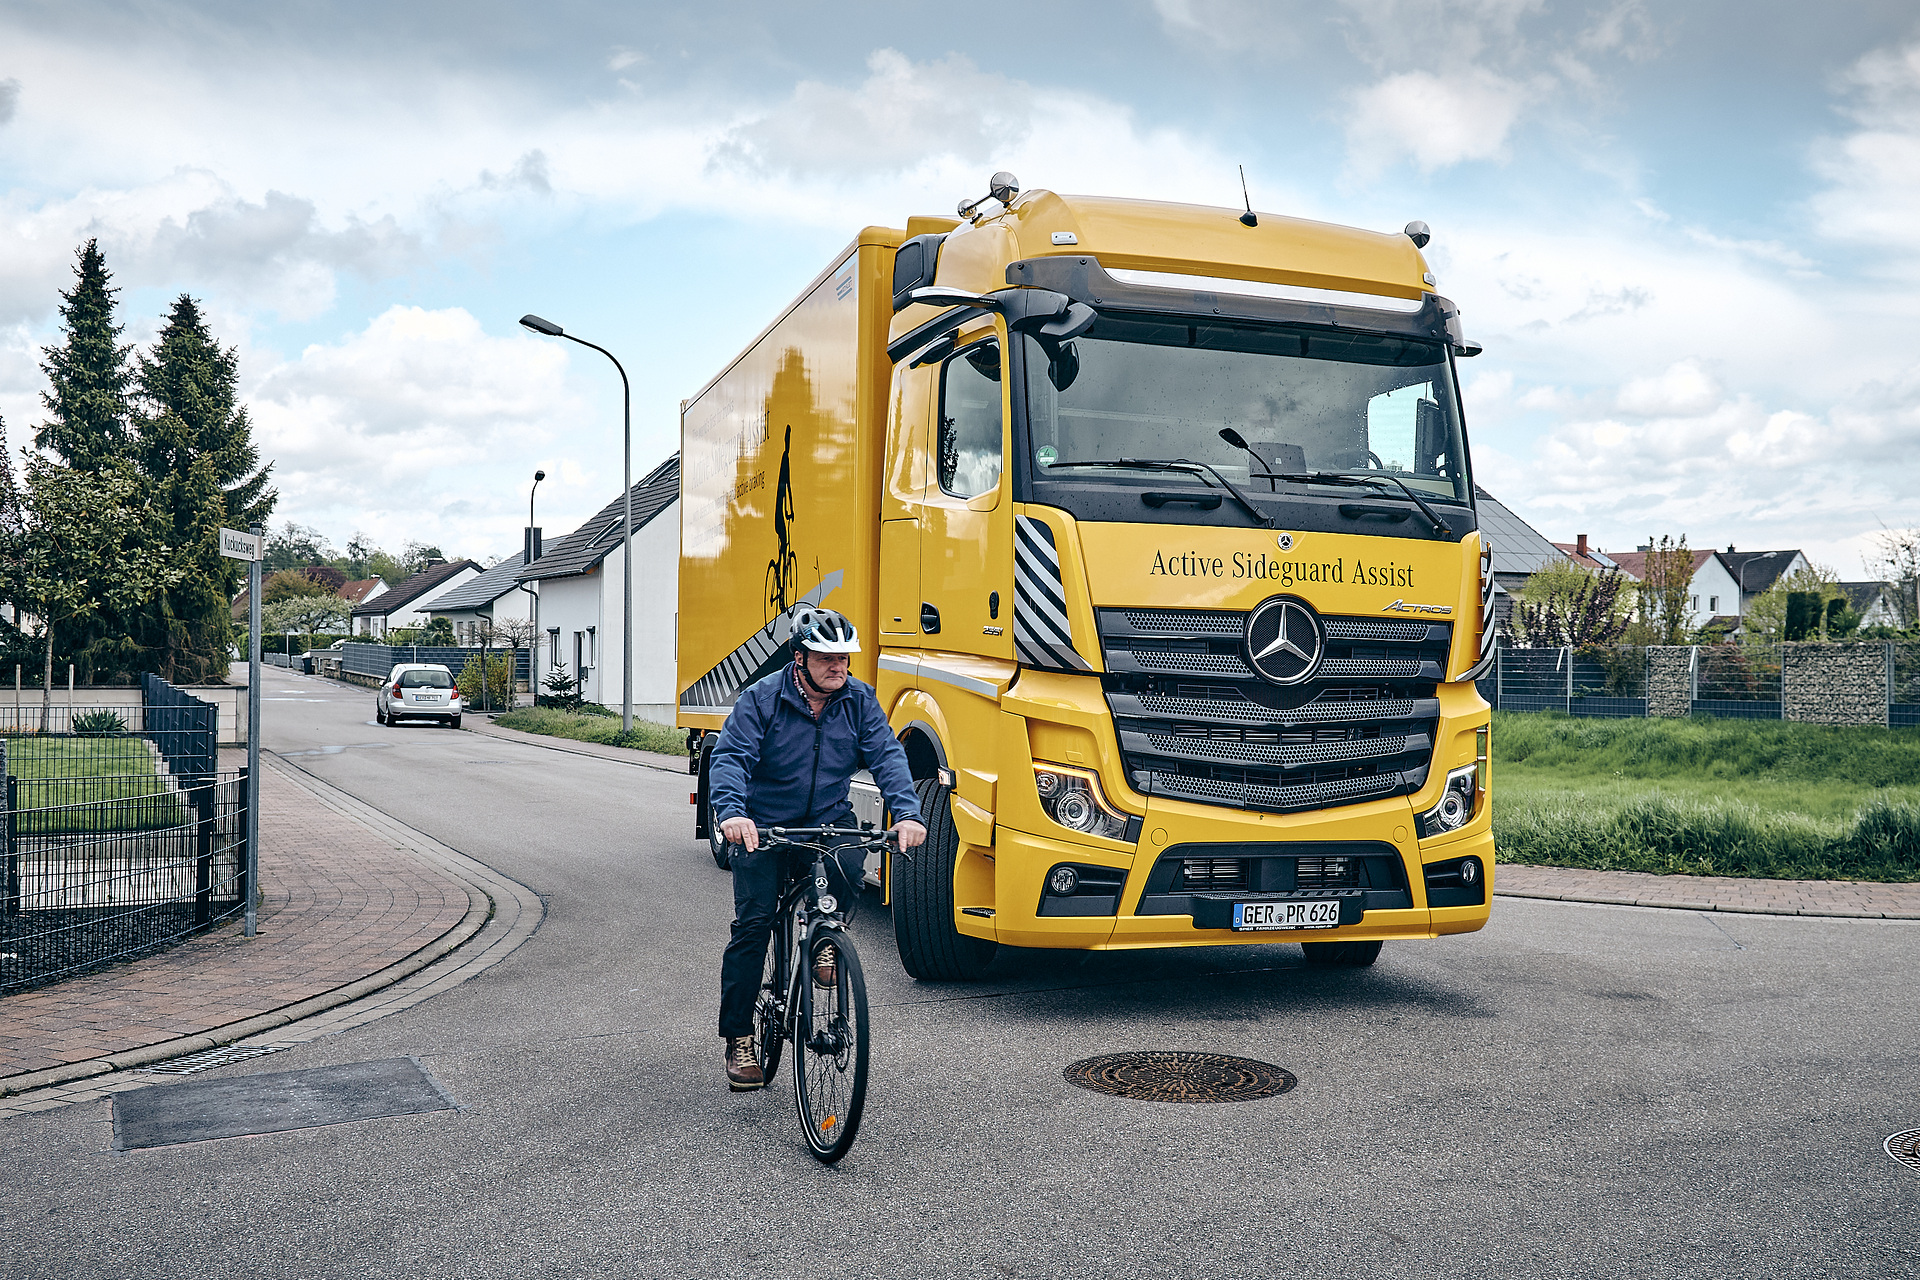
930 947
1349 955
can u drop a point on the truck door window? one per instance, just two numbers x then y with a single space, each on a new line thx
969 446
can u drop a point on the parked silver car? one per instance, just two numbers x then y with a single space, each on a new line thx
419 691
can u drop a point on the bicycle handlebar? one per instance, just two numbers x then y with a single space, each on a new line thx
803 835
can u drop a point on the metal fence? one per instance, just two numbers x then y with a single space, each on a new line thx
1744 681
185 729
96 869
377 659
1610 682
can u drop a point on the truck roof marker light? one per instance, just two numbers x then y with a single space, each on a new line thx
1419 233
1002 186
1248 218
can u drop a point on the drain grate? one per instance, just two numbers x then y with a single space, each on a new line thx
1180 1077
208 1059
1905 1147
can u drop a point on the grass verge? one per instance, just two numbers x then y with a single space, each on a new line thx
591 727
1707 797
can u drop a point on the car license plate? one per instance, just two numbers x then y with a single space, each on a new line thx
1323 914
426 697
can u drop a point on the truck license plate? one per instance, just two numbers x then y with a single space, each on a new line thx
1324 914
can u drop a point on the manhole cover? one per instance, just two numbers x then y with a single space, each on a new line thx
1180 1077
1905 1147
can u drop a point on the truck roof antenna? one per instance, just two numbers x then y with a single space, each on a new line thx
1247 217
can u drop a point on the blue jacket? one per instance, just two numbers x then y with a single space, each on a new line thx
779 766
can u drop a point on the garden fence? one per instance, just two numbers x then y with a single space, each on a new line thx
1871 683
97 868
377 659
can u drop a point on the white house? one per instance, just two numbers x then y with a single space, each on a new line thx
580 579
496 596
1519 550
1724 582
405 604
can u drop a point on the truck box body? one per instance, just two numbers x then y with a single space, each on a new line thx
1075 590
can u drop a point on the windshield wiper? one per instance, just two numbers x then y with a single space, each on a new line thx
1366 481
1173 464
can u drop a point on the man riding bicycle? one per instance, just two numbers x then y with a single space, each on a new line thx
792 743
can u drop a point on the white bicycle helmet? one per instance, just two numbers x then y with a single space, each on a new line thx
823 630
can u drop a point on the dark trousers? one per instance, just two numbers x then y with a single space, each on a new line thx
757 880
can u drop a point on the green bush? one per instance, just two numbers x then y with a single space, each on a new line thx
495 673
99 724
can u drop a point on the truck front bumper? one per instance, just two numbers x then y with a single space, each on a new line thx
1114 910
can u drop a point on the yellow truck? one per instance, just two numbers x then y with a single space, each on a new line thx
1158 525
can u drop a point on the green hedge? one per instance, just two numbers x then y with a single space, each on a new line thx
596 726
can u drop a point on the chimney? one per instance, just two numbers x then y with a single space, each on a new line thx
1580 546
433 562
530 544
1729 548
1646 546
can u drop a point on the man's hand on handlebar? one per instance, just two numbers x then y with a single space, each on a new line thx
741 831
909 835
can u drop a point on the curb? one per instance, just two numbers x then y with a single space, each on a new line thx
1671 904
483 909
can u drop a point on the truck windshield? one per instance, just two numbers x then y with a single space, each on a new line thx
1305 400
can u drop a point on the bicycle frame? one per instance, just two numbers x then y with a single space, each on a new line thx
801 902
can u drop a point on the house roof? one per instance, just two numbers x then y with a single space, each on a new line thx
356 592
1862 596
478 593
1761 576
588 545
1517 546
1594 559
400 596
1634 563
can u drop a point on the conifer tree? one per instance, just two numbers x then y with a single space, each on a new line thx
194 448
89 373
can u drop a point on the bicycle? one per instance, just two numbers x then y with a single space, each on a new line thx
827 1025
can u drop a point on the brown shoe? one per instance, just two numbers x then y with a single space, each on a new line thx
826 966
743 1072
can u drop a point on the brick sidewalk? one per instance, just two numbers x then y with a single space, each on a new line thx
340 902
1854 898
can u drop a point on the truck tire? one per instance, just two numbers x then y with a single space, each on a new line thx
1348 955
931 949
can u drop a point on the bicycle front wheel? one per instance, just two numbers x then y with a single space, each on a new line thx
830 1050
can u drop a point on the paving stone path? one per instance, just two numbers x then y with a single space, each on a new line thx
341 902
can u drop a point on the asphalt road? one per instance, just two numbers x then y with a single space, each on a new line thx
1575 1090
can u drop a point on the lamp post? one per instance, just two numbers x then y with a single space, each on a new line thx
552 330
533 602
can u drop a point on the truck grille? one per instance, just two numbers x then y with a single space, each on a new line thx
1195 722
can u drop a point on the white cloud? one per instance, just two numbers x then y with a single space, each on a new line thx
1684 389
1434 121
1874 172
415 426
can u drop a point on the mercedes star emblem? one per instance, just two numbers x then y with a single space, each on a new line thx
1284 640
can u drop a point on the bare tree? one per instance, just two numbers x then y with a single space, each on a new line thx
1896 559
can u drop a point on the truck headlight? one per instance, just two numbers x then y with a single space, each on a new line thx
1457 803
1072 798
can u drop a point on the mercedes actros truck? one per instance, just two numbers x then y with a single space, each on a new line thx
1158 524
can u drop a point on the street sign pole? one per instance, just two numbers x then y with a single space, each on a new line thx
253 738
250 547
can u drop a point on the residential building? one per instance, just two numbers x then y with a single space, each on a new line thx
406 603
362 590
1873 601
1723 583
1584 554
581 580
495 596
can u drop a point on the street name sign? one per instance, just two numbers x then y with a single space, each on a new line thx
240 546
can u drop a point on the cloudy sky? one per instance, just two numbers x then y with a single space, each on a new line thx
1688 235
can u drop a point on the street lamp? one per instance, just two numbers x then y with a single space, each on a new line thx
552 330
1743 578
533 602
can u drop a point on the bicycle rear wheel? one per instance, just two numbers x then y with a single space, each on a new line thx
830 1052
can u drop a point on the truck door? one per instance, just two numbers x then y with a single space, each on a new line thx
902 496
966 545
